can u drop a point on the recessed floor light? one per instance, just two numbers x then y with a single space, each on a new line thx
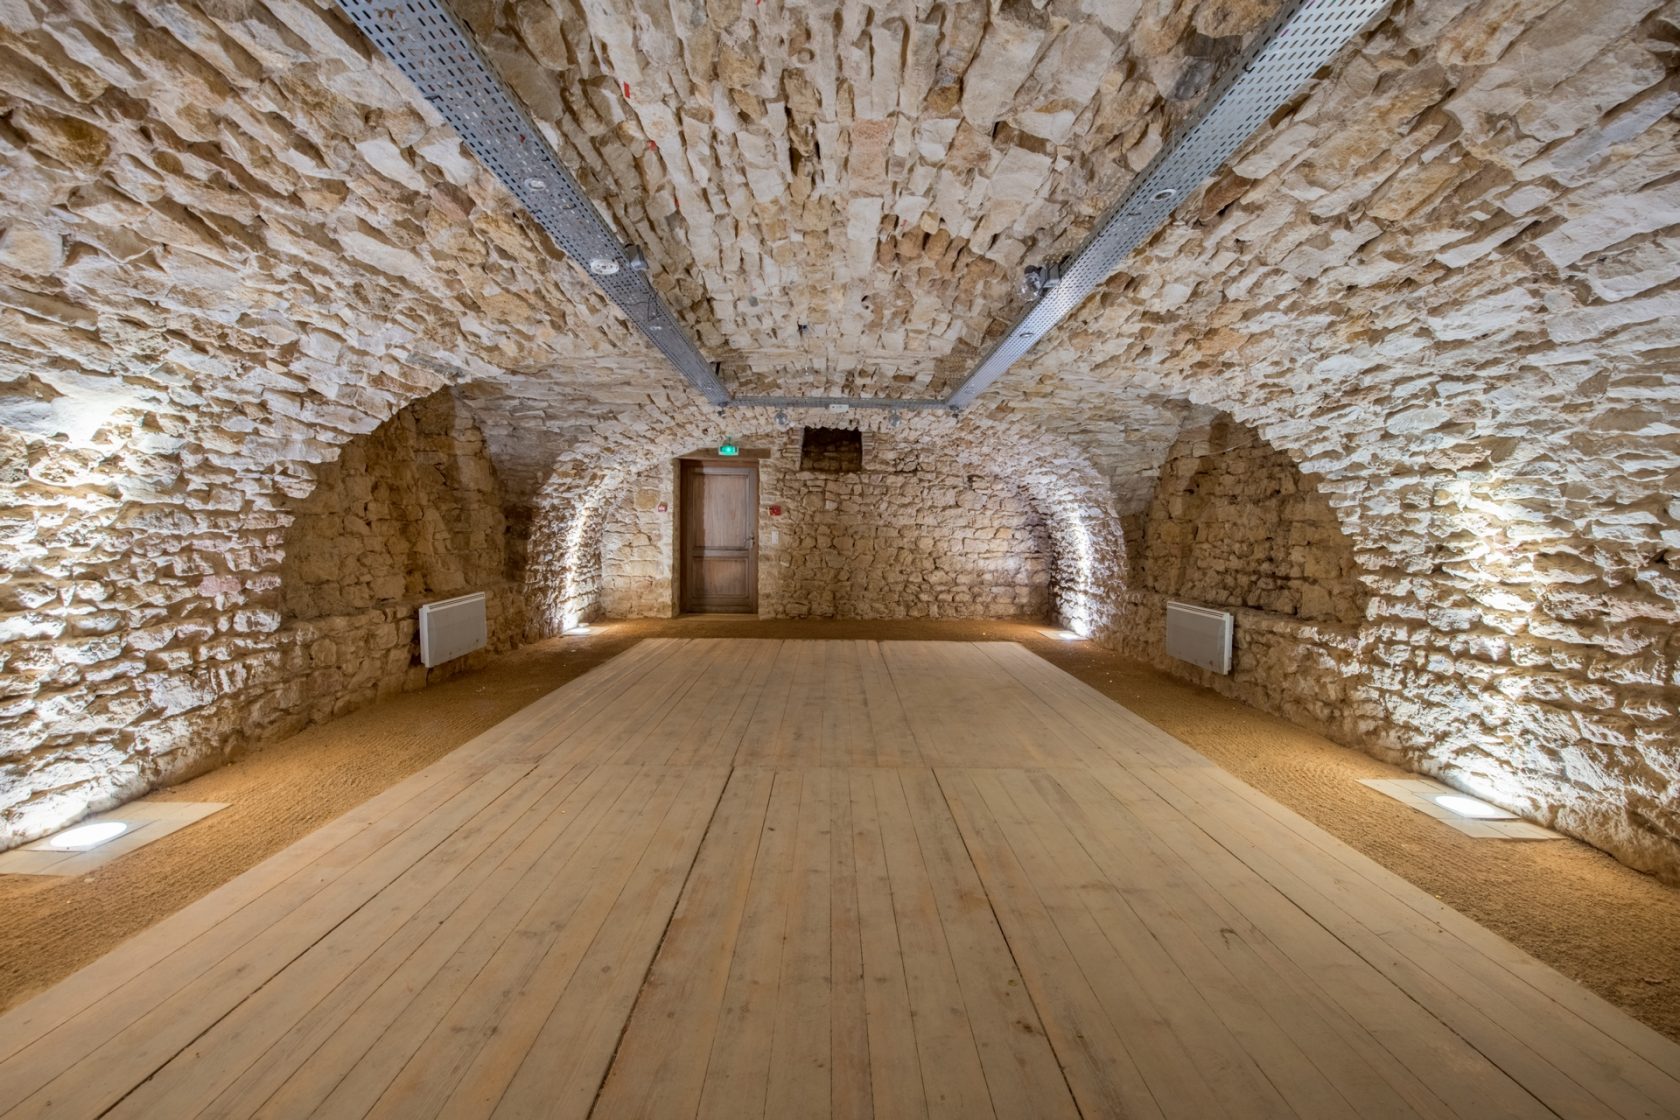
1459 811
1470 807
86 836
100 839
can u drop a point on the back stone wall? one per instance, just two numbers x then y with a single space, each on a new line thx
914 534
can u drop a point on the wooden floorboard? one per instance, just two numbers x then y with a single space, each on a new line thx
742 878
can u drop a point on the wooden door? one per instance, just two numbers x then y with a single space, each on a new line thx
719 537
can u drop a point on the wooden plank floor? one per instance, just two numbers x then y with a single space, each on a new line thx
737 878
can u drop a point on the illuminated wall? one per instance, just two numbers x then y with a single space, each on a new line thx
1470 623
155 621
912 533
599 542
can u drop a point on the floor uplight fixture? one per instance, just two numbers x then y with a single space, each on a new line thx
87 836
1470 807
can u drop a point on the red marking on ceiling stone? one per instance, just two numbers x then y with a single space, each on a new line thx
626 91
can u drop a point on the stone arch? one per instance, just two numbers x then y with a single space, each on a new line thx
1234 523
411 510
141 595
1507 580
564 568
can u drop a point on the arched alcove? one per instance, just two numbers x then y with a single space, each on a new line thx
1234 523
412 510
1059 556
911 532
406 514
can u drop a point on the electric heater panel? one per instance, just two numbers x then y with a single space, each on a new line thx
1199 635
452 628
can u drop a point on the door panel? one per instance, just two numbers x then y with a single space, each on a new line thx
719 537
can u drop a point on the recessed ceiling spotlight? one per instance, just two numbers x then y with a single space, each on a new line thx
603 266
85 836
1163 194
537 184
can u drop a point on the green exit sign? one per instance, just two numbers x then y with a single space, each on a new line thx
728 447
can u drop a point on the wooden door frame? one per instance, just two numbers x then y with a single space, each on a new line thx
679 558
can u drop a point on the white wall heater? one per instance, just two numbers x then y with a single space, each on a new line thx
452 628
1200 636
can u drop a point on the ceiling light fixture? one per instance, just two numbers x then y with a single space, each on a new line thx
1037 279
603 266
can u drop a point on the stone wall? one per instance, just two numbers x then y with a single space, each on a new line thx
1503 707
147 629
1443 280
913 534
408 514
1234 524
637 548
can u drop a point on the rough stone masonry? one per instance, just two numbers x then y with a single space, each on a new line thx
1439 294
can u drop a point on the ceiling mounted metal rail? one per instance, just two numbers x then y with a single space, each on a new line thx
907 404
1302 37
432 49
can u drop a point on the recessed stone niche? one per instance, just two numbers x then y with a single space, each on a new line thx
1233 523
407 514
831 450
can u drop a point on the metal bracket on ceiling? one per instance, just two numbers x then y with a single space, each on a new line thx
1303 36
435 52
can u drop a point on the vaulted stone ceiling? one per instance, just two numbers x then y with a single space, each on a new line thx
233 221
838 197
